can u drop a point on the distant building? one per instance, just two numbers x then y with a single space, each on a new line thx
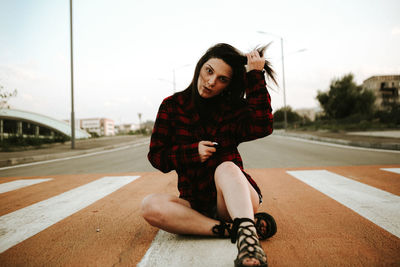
385 88
126 128
101 126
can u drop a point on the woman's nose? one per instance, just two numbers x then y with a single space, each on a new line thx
211 81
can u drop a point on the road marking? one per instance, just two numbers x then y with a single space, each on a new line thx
337 145
395 170
75 157
378 206
176 250
17 184
19 225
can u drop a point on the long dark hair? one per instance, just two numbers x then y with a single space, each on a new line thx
237 61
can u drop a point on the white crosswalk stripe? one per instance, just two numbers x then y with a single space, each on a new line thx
378 206
395 170
175 250
19 225
17 184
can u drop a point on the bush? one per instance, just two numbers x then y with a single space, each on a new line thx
15 141
389 116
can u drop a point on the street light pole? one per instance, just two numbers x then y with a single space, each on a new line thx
72 81
283 77
284 87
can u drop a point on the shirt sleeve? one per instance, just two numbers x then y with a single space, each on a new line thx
255 119
163 154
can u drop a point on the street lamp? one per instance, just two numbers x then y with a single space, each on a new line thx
283 76
283 73
72 81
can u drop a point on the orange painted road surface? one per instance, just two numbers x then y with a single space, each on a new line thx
94 219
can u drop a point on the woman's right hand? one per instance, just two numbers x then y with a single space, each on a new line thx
255 61
206 149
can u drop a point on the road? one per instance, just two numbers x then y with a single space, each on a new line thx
334 206
284 152
271 152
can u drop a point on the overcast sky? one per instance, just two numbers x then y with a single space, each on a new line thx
125 51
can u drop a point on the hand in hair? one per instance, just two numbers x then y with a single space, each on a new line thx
255 61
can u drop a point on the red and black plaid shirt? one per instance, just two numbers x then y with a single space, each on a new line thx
177 132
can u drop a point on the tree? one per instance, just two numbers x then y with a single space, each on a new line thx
345 98
5 96
292 116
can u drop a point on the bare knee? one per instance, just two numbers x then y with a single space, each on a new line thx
228 170
227 167
151 208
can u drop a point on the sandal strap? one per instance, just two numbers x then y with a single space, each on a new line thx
236 226
249 246
219 229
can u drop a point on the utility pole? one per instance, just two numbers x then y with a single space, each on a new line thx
140 121
283 76
72 81
283 85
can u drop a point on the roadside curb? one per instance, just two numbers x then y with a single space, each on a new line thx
42 157
384 146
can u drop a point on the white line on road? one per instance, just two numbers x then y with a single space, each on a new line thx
395 170
19 225
175 250
17 184
337 145
74 157
378 206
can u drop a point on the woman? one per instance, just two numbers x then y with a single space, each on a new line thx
196 133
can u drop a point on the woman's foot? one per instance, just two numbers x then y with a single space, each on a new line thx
250 252
265 225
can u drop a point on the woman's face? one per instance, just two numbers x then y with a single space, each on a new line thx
215 75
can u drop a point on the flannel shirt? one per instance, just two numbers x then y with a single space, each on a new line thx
178 130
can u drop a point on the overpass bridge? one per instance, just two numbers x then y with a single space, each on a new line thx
26 123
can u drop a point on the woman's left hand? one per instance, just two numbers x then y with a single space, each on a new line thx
254 61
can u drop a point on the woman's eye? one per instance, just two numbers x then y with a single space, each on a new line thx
223 79
208 70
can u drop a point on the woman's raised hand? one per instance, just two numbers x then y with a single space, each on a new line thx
206 149
254 61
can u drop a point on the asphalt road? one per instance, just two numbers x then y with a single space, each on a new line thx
270 152
285 152
330 216
334 206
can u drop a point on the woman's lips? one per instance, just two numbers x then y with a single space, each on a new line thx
206 90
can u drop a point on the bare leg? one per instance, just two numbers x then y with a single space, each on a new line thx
175 215
236 198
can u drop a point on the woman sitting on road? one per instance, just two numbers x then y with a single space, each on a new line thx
196 133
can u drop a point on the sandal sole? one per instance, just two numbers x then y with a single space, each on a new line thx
270 225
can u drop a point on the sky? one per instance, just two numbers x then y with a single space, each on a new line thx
126 51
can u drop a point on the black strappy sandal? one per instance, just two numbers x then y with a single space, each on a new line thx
248 246
265 225
264 222
219 229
